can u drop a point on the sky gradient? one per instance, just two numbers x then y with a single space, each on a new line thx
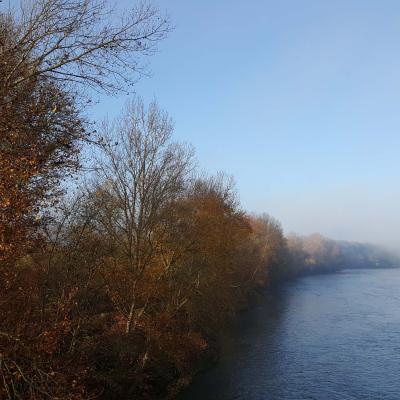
298 100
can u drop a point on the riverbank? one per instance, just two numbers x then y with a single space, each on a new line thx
265 299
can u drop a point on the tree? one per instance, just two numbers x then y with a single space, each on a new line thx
272 246
51 51
205 244
321 252
297 255
82 42
141 173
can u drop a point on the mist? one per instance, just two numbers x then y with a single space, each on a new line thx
357 212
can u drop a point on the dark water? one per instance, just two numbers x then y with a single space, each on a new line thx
323 337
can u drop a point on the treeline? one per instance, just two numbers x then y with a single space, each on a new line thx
115 289
137 271
318 254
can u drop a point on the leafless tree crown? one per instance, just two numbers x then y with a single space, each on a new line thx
80 42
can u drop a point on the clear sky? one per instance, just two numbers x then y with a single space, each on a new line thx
298 99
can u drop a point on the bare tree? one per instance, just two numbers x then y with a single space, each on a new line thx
51 51
141 173
79 41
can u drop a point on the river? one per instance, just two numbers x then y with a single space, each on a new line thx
322 337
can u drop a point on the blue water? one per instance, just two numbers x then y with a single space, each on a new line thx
322 337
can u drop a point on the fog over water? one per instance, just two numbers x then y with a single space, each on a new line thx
354 212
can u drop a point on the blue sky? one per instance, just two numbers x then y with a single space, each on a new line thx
298 100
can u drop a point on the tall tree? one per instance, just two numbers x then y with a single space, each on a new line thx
141 173
51 51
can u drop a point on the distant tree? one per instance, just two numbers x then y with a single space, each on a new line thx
322 253
271 245
296 253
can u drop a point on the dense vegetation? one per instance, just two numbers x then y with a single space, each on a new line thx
118 289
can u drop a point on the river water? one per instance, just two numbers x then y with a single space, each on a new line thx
322 337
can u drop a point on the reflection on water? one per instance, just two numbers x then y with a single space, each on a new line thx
323 337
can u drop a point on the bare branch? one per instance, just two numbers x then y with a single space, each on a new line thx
83 42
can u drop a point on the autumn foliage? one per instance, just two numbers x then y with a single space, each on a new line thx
116 289
114 292
137 274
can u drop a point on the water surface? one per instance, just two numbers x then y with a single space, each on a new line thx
322 337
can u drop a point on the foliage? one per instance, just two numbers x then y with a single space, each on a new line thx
118 291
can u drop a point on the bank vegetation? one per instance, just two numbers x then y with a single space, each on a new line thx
116 286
